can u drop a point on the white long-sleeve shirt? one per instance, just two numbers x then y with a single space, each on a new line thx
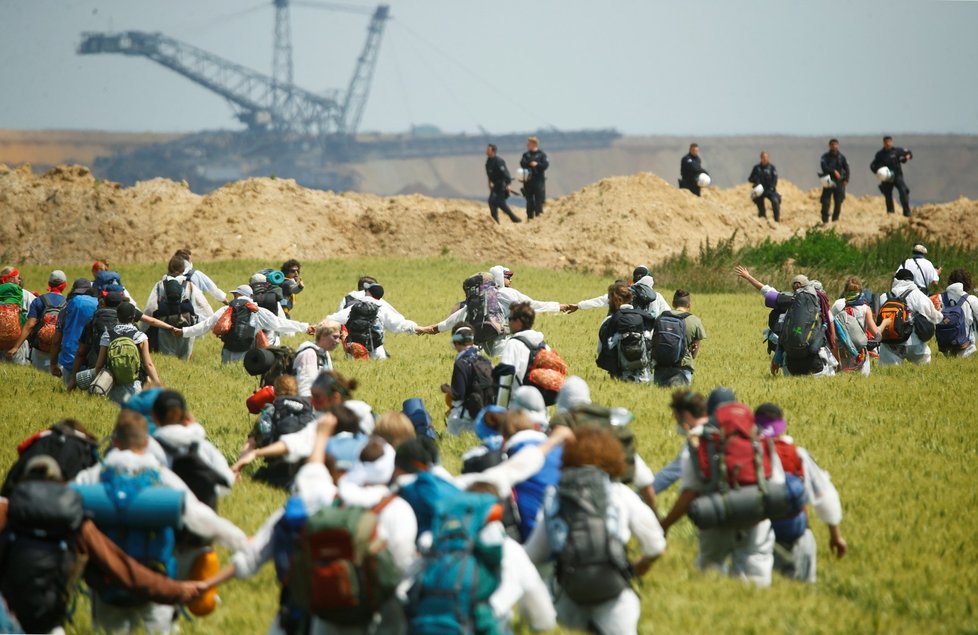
261 319
203 282
197 299
656 308
635 518
307 368
822 495
516 354
918 304
386 314
197 517
507 296
359 295
923 270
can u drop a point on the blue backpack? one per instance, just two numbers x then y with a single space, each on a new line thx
422 495
952 331
788 530
107 281
140 516
529 494
460 572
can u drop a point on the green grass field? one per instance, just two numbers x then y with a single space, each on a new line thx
900 447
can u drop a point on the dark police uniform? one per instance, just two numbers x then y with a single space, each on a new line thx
830 164
767 175
689 170
535 189
499 180
894 158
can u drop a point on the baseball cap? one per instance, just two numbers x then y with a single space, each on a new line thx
718 397
920 249
375 290
57 277
243 290
800 280
80 286
114 299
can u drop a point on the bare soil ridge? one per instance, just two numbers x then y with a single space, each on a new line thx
67 216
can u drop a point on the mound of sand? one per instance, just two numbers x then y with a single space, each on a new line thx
66 216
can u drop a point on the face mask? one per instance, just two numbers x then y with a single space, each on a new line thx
680 430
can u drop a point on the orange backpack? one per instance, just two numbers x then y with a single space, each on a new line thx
900 326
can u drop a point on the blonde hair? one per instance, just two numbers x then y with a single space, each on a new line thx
131 431
326 327
286 384
395 428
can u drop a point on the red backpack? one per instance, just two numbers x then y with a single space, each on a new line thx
730 451
790 460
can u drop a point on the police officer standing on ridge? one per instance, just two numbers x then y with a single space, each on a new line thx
766 175
535 191
499 180
690 170
893 158
835 166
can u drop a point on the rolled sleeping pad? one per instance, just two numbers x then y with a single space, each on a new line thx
275 277
785 500
102 383
258 361
738 509
153 508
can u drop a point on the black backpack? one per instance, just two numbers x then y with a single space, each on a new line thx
802 334
361 325
174 305
482 307
482 389
38 560
104 319
669 339
72 450
241 336
290 414
642 296
267 296
630 325
592 564
187 463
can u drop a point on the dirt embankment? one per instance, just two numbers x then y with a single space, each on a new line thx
67 216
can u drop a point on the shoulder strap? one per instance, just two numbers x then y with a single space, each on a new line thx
904 295
379 507
45 302
525 342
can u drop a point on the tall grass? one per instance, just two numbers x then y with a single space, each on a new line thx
900 447
820 254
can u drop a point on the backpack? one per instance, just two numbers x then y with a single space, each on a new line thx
600 417
72 450
775 318
802 334
290 414
483 309
848 321
241 335
669 339
103 320
174 305
339 569
42 335
642 297
729 452
952 331
270 363
38 560
186 462
788 530
591 561
9 325
106 279
632 350
459 572
545 370
267 296
481 389
530 493
361 325
422 494
900 328
122 358
140 516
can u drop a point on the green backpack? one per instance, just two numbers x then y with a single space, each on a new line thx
339 569
123 360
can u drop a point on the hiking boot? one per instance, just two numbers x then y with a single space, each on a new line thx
516 219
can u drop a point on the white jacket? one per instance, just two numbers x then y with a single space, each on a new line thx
197 517
307 368
388 317
656 308
917 304
508 296
261 319
516 354
197 299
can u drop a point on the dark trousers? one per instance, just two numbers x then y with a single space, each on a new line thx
497 201
902 189
775 199
829 193
535 192
689 185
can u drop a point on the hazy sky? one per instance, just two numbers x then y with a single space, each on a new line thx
644 67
